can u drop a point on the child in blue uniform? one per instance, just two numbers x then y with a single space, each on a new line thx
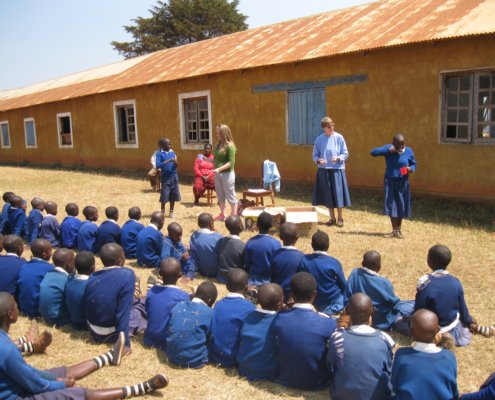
11 263
257 356
359 355
70 226
166 161
50 228
287 259
228 316
53 308
328 273
259 252
109 230
302 335
188 330
486 392
17 220
204 246
4 217
31 275
74 290
149 242
35 218
86 235
173 247
230 248
130 231
159 302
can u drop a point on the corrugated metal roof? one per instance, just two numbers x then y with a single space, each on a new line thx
371 26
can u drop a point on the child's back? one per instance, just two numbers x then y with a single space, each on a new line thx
129 232
109 230
11 264
230 255
70 226
4 217
86 235
204 247
34 219
285 264
17 220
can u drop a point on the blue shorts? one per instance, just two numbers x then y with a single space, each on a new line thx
170 189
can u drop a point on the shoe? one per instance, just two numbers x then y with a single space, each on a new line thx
118 349
159 381
395 235
219 217
340 223
42 342
447 341
33 332
331 222
171 215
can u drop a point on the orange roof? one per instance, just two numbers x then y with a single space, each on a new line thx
380 24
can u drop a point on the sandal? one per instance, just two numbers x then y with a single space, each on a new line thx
340 223
219 217
331 222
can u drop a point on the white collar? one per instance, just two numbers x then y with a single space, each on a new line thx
362 329
263 311
81 277
205 230
439 272
426 347
37 259
198 301
111 220
50 216
370 271
12 254
112 267
60 269
234 237
289 247
135 220
170 286
304 306
153 226
231 295
320 252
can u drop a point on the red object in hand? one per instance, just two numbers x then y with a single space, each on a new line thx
404 171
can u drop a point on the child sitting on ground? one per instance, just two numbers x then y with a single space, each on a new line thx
86 235
287 259
17 220
109 230
53 308
149 243
11 263
259 252
204 247
228 316
188 330
70 226
35 218
328 273
129 232
358 351
388 308
4 217
257 356
160 300
76 285
166 161
230 248
173 247
50 228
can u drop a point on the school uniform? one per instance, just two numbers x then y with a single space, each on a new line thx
33 224
169 179
4 220
257 357
258 256
17 221
53 308
357 358
86 236
230 255
10 267
204 251
188 333
228 316
159 302
424 371
302 334
149 245
176 250
486 392
285 263
330 281
128 237
30 277
74 300
50 230
68 231
108 232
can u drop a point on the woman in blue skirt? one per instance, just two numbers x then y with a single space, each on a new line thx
400 163
330 153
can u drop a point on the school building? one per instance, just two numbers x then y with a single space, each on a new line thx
425 68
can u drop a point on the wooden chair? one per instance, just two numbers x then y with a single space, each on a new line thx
210 194
260 194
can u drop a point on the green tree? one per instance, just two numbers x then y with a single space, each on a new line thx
179 22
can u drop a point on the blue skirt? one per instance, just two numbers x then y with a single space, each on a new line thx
331 189
397 198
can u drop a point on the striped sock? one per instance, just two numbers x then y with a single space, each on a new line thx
27 347
22 339
104 359
487 331
137 390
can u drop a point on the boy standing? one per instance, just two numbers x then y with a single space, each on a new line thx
204 246
230 248
35 218
166 161
86 236
70 226
50 228
130 231
109 230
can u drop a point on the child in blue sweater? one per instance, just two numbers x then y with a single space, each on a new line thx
486 392
11 263
230 248
159 302
257 356
4 217
204 247
149 243
188 330
35 218
173 247
259 252
130 231
228 316
328 273
17 220
287 259
86 235
109 230
50 228
74 290
166 161
53 308
70 226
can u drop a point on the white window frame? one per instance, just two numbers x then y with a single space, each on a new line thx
59 133
35 146
4 146
116 106
182 120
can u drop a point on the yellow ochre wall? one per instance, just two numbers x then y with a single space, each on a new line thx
402 94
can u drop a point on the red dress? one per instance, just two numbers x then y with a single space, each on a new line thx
203 168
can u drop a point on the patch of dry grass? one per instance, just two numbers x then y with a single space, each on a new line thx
470 240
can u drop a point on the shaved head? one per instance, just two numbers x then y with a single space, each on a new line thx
372 260
158 219
271 297
424 326
112 254
6 303
170 271
41 248
360 309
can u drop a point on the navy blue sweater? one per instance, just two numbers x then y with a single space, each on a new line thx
285 263
33 224
128 237
30 277
74 299
10 267
149 247
258 256
86 236
17 221
204 251
68 230
50 230
108 232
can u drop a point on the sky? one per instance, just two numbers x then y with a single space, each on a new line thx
46 39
